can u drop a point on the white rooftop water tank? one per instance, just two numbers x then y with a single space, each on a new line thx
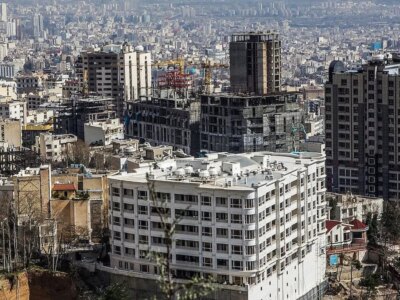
204 174
180 172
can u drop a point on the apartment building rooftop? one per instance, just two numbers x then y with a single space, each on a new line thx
226 171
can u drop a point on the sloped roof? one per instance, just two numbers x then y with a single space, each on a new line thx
64 187
329 224
358 225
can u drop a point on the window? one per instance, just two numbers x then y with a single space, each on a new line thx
206 201
207 262
117 250
143 254
221 217
186 214
128 208
163 197
117 235
129 237
207 231
236 234
249 203
143 239
237 265
207 247
187 244
129 222
250 219
222 263
222 232
236 203
236 249
206 216
221 201
142 195
236 219
143 210
250 265
143 224
129 251
222 248
116 206
250 250
115 191
250 234
144 268
116 221
128 192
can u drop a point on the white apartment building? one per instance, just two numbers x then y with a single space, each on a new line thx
39 116
137 73
13 109
256 222
103 133
53 147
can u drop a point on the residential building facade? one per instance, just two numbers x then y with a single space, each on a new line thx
103 133
117 71
255 222
362 125
54 147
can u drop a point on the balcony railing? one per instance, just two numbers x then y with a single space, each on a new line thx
346 248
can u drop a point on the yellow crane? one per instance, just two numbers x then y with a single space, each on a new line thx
173 62
208 68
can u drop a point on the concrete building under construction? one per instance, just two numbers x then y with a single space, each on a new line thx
236 124
167 121
72 116
13 159
255 63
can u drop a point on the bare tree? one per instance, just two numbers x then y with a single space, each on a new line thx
197 286
78 153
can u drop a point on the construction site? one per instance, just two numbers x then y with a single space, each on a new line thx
15 159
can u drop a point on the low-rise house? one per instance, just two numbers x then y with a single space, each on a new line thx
103 133
346 237
54 147
347 207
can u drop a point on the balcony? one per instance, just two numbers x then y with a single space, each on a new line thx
346 248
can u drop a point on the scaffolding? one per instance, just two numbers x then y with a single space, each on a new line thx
15 159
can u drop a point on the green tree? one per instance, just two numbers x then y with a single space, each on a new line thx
389 230
332 200
391 222
372 233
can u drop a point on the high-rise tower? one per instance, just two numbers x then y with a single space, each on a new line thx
255 63
117 71
3 12
38 25
363 127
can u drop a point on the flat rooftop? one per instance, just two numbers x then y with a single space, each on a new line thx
223 170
